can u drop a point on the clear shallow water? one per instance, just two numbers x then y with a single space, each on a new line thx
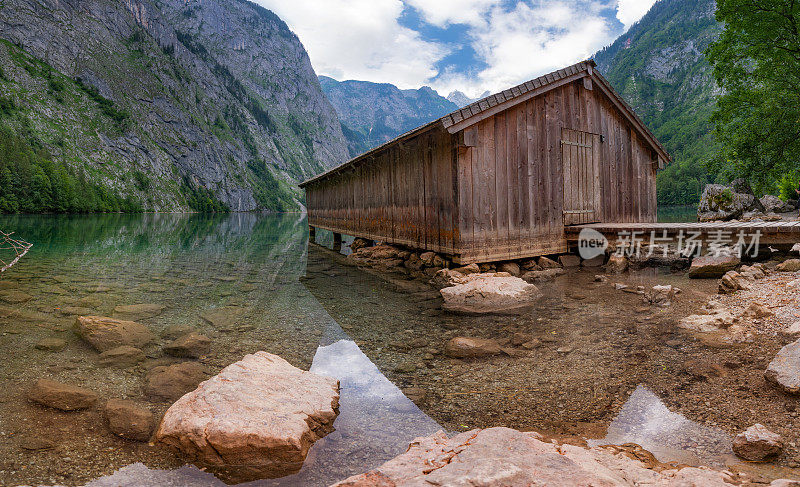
598 346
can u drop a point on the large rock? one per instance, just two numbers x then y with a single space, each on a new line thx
731 282
106 333
256 419
720 202
510 267
489 294
791 265
168 383
360 243
784 370
708 323
506 457
190 345
712 266
129 420
463 347
543 275
757 444
65 397
773 204
138 311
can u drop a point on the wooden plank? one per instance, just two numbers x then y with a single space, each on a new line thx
523 221
466 220
501 180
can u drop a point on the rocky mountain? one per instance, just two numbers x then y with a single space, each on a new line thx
462 100
171 104
374 113
660 68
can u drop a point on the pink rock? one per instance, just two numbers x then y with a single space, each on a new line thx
757 443
487 293
502 456
256 419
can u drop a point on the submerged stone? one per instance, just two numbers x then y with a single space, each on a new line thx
168 383
123 356
464 347
105 333
190 345
51 344
129 420
138 311
65 397
712 266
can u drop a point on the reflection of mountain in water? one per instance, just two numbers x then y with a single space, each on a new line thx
670 436
376 422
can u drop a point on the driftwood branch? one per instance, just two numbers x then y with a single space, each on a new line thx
18 249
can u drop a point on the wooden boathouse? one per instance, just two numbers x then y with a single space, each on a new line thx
503 178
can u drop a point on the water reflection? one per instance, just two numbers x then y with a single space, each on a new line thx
669 436
376 422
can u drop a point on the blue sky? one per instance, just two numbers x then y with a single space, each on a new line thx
467 45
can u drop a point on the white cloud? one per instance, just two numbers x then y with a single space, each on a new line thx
363 39
530 40
360 39
442 13
630 11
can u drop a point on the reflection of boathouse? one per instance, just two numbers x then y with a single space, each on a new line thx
502 178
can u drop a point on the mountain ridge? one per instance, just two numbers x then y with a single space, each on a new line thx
220 99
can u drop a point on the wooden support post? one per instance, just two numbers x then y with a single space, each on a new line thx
337 241
312 234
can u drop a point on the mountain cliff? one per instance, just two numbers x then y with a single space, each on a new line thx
374 113
660 68
169 104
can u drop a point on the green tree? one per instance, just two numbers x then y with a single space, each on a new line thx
756 62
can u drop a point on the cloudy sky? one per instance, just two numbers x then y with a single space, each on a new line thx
467 45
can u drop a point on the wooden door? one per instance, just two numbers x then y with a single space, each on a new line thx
581 176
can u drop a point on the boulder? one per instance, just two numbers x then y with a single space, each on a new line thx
757 311
712 266
707 323
720 202
784 370
731 282
51 344
791 265
661 295
773 204
359 243
168 383
446 278
106 333
175 331
791 332
427 258
129 420
138 311
468 269
463 347
191 345
256 419
414 263
546 263
65 397
489 294
510 267
122 357
752 272
506 457
544 275
530 265
757 444
569 260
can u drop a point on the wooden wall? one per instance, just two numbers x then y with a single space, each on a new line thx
404 195
510 179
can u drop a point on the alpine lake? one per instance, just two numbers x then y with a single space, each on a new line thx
609 369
